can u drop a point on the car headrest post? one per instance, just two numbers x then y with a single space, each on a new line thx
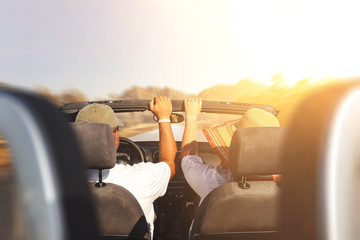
100 184
243 183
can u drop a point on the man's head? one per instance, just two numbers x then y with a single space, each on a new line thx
100 113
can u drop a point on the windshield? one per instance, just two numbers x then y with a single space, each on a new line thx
140 126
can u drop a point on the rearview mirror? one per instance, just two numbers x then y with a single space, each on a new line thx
174 118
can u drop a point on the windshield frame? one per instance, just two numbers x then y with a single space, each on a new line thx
142 105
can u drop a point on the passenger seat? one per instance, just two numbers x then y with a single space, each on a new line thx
245 209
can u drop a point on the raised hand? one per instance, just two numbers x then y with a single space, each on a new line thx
192 107
161 107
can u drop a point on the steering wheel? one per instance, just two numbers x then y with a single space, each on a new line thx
129 152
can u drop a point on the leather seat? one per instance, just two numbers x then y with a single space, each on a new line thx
119 213
245 209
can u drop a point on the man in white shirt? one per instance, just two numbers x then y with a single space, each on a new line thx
146 181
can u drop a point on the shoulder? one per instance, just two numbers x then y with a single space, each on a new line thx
159 169
191 160
150 165
147 173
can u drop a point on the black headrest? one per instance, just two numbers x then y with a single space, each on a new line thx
256 151
96 141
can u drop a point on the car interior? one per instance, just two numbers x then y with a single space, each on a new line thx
174 211
46 195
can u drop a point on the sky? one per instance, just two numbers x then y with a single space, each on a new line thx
103 47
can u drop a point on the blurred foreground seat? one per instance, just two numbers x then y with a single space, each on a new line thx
321 174
46 194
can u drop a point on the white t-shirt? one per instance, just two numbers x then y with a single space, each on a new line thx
146 181
203 178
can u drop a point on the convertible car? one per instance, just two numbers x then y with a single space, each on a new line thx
176 209
45 195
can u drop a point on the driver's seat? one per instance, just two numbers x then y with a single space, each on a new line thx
118 212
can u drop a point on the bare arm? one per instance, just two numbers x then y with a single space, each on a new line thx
162 108
189 145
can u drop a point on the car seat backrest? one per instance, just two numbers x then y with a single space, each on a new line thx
321 161
256 151
97 143
233 211
119 214
48 180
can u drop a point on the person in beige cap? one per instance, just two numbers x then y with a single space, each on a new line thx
101 113
255 117
146 181
202 177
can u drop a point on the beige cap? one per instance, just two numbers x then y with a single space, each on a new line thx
256 117
98 113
